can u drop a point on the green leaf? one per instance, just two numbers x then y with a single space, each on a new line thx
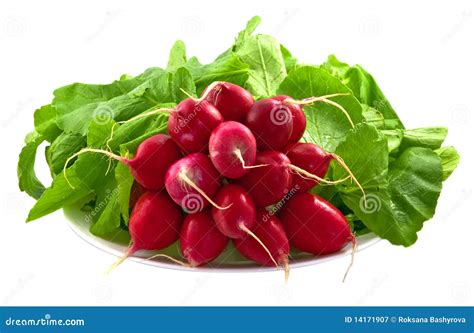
428 137
227 68
365 89
290 61
132 145
79 104
106 213
394 139
62 148
326 124
243 36
124 180
449 160
109 219
27 180
168 88
46 122
59 195
372 116
267 68
177 56
399 198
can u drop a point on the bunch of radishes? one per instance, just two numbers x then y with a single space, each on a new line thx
237 170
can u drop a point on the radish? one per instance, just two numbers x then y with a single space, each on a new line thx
154 224
314 160
299 119
240 217
192 182
314 225
274 179
271 232
268 184
191 124
271 122
200 240
232 101
232 149
151 161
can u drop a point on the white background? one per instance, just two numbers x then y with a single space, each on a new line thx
421 54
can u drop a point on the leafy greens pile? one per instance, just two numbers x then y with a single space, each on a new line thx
401 170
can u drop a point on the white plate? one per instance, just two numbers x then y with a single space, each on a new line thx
229 261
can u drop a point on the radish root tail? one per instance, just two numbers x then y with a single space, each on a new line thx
91 150
189 95
305 174
354 250
238 153
249 232
146 114
324 99
209 89
162 255
286 267
189 182
127 254
341 162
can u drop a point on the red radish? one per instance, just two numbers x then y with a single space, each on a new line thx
151 161
233 149
314 161
154 224
192 182
270 231
240 217
269 183
311 158
299 119
233 101
191 124
314 225
271 122
234 221
200 240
